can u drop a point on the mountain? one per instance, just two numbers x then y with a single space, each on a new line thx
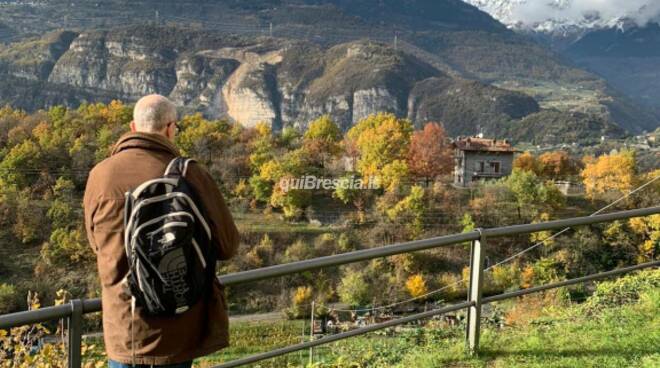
244 59
251 80
570 17
618 41
629 59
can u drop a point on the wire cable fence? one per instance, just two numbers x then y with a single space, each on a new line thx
478 238
490 268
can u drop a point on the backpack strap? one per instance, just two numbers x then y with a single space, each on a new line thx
178 167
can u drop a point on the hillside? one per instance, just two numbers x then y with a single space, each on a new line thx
628 58
614 327
451 36
618 41
253 79
248 79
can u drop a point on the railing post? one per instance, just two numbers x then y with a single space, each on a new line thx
474 293
75 334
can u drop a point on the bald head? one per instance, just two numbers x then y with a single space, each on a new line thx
152 114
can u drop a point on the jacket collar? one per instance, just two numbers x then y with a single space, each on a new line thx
148 141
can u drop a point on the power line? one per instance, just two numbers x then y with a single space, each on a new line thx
568 228
499 263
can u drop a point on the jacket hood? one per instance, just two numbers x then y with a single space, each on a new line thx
149 141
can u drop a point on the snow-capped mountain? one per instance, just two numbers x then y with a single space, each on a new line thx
568 17
616 39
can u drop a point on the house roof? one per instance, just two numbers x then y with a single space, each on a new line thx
483 145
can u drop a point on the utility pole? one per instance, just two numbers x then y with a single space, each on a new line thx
396 41
271 29
311 335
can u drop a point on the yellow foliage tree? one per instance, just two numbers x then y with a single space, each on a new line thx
380 140
542 236
527 277
613 173
416 286
557 165
527 162
649 229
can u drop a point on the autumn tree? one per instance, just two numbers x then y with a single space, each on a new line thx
527 162
380 139
430 154
322 140
648 228
286 168
202 139
557 165
612 174
348 193
262 146
416 286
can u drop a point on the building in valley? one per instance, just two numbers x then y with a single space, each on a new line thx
478 158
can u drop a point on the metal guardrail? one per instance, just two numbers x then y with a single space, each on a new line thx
73 312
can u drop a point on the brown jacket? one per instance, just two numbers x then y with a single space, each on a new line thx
136 158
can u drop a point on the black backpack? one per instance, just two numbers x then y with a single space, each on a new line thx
168 243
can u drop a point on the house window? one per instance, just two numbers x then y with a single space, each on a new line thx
480 166
495 166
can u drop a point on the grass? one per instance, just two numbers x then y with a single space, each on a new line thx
249 338
603 332
272 223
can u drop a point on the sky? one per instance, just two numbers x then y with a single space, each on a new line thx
536 11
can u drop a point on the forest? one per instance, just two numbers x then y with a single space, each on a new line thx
45 158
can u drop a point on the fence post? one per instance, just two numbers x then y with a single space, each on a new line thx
474 293
75 334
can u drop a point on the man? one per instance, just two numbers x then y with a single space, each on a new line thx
138 156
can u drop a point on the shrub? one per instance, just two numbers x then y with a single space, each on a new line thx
325 245
624 290
346 242
451 283
506 277
297 251
300 303
353 289
416 286
8 298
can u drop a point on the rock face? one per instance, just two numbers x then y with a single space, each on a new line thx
253 81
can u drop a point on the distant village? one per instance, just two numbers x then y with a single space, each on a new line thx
478 158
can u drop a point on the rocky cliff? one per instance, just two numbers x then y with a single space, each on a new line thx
252 80
453 37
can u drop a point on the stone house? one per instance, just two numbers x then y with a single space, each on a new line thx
477 158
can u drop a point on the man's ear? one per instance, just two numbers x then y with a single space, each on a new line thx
133 127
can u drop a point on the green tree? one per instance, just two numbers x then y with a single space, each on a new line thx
347 192
61 213
67 247
410 210
530 192
202 139
322 140
22 165
353 289
8 298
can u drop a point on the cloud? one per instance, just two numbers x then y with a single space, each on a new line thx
537 11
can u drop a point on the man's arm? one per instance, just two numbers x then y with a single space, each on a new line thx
89 206
223 229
